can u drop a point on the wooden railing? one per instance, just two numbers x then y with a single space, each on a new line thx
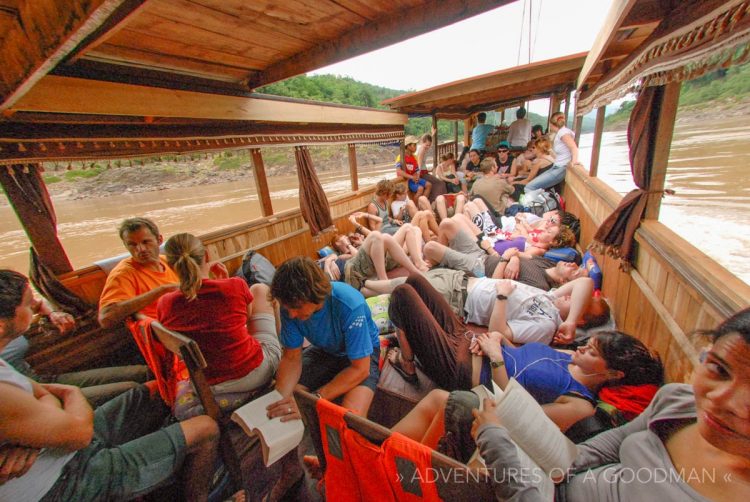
448 147
277 237
674 289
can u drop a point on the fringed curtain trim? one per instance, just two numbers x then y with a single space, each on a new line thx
716 40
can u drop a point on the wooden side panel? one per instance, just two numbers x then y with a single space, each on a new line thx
674 288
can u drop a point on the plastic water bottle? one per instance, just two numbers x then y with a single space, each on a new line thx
478 270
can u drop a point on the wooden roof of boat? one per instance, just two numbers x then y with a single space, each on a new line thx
160 70
507 87
654 42
209 46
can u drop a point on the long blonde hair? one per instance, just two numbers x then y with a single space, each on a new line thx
185 254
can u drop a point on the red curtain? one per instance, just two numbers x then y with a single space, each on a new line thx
616 233
312 199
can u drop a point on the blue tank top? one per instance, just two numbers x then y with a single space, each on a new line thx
541 370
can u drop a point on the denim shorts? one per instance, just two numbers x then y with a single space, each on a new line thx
414 185
319 367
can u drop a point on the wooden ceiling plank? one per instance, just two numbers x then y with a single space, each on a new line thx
246 25
387 30
255 57
55 94
149 60
47 32
116 22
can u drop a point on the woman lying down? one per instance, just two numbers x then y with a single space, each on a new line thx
691 443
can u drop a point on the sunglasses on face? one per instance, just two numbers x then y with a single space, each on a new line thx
502 150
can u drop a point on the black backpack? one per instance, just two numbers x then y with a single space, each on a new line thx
256 269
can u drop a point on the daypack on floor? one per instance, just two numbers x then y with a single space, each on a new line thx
256 269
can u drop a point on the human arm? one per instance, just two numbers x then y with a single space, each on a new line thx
287 376
491 346
61 320
498 319
569 141
580 291
26 420
330 267
500 455
346 379
513 267
567 410
218 270
372 220
112 314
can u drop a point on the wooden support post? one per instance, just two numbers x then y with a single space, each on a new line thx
434 143
353 167
577 128
455 138
261 183
663 143
40 230
467 132
567 104
502 116
596 146
554 104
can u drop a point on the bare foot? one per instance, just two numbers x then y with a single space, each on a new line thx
240 496
422 266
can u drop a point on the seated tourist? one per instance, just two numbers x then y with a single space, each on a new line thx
404 210
492 188
409 170
544 159
446 171
700 431
98 385
521 166
54 447
377 217
344 352
565 384
377 254
233 325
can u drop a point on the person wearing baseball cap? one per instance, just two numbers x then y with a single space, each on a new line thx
409 169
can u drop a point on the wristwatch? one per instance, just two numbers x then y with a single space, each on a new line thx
501 297
497 364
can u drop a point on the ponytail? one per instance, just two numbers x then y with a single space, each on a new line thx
185 254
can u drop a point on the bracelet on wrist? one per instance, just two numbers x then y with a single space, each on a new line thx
497 364
500 297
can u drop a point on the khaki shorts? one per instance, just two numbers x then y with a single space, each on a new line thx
360 267
450 284
463 253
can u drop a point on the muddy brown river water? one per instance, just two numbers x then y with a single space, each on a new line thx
708 169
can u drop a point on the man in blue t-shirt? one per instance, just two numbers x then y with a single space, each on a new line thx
342 360
480 132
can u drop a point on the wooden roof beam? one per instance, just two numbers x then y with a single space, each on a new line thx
45 33
54 94
413 21
618 12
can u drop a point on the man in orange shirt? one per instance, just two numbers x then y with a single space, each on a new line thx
137 282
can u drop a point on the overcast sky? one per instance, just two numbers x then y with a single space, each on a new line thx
482 44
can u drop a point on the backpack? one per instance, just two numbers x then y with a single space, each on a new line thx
256 269
540 202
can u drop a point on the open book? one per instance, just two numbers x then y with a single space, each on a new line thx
277 438
539 441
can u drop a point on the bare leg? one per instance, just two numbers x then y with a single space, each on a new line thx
460 202
434 252
375 248
424 204
397 253
261 300
411 208
420 221
358 400
441 207
420 421
376 287
202 441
